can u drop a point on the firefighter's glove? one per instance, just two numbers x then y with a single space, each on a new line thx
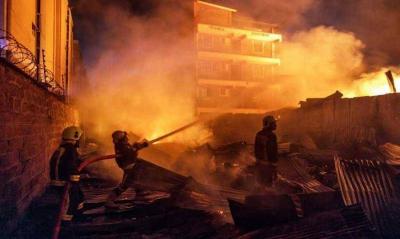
145 143
74 178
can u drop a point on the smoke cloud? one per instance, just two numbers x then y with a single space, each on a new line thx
315 63
328 46
134 64
290 15
375 23
134 52
135 82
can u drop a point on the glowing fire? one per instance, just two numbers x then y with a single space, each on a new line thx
372 84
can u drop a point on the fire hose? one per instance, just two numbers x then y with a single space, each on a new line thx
57 227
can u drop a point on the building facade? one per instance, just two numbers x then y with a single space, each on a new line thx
235 56
44 29
35 80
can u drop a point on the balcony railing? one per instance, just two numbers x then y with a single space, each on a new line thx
235 77
241 23
228 102
244 22
22 58
268 52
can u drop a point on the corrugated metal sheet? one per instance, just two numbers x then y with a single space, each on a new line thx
348 222
156 214
367 182
292 171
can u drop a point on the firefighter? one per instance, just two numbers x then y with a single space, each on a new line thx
126 157
64 165
266 152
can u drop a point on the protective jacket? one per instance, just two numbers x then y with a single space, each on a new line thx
64 164
127 154
266 146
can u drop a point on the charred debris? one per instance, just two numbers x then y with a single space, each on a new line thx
338 177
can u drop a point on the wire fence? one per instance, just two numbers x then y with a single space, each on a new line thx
18 55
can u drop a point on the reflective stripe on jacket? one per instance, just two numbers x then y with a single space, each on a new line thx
64 163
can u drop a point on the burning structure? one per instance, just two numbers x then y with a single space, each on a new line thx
338 158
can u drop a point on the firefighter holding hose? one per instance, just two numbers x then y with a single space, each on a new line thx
126 158
64 165
266 152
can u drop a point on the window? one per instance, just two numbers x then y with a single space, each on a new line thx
213 69
219 68
258 72
227 67
227 41
203 92
258 46
268 49
236 45
225 92
205 41
3 16
208 41
218 42
205 68
237 71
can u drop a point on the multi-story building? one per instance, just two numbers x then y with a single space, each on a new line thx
235 57
36 49
44 29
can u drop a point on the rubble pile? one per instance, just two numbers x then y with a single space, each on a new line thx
318 194
324 189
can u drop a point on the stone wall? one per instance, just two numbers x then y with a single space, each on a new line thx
31 120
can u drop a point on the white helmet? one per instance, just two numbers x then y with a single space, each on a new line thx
72 133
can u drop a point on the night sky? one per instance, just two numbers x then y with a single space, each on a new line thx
375 22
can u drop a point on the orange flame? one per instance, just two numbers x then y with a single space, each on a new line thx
372 84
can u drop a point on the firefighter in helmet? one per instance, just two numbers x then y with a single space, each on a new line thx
126 157
64 165
266 152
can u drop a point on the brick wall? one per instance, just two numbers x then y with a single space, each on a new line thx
31 120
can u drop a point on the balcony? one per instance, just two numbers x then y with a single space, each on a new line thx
243 49
237 57
226 73
228 97
231 83
240 33
248 23
229 105
228 48
215 110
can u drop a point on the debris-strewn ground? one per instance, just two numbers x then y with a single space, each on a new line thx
309 200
